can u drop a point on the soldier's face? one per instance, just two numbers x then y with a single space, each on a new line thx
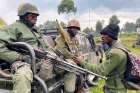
106 39
73 31
32 18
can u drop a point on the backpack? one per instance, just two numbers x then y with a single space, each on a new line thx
132 72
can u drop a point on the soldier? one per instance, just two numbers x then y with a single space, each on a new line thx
23 30
71 48
114 64
69 51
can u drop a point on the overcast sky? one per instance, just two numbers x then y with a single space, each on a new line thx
93 10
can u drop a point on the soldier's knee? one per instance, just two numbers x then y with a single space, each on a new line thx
70 75
69 91
69 82
23 74
44 67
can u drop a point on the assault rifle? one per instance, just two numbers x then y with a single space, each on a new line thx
64 64
57 61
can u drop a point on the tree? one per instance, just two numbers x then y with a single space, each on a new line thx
99 26
129 27
88 30
66 6
51 25
138 22
114 20
50 28
138 31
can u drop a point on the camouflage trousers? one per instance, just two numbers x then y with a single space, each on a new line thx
69 78
22 79
22 76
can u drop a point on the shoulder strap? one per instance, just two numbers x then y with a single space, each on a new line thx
128 64
117 73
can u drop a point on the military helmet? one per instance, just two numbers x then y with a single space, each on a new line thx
27 8
74 23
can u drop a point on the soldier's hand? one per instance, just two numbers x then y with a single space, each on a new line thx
78 59
38 49
47 61
23 58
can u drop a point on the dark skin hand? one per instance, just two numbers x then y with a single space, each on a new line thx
78 58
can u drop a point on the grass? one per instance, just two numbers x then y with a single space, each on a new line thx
128 39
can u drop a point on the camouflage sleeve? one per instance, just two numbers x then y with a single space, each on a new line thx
60 46
7 36
112 61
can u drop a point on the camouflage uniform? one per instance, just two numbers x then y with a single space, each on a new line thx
113 67
73 48
69 78
19 32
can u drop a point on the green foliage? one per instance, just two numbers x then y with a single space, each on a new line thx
66 6
114 20
99 88
129 27
138 22
99 26
128 39
88 30
51 24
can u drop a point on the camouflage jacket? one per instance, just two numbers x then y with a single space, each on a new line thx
18 32
113 67
63 48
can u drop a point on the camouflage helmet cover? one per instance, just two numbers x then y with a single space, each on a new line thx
74 23
27 8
